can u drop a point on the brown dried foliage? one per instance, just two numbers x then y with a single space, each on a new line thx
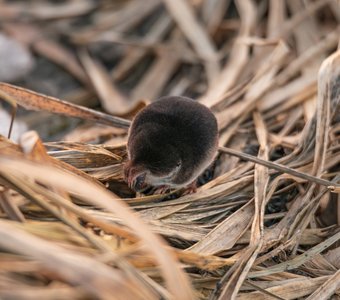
263 226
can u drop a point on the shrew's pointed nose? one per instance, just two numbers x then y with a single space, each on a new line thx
138 182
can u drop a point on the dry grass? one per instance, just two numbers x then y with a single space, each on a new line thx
264 224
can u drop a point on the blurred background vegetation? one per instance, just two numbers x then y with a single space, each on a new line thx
268 69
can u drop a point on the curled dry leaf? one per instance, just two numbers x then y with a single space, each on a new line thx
35 101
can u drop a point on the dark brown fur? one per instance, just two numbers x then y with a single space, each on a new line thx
170 130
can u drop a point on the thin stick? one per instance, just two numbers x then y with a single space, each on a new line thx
14 111
9 99
283 169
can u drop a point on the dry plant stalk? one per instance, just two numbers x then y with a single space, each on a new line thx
264 223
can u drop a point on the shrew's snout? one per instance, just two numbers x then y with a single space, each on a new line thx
138 183
135 176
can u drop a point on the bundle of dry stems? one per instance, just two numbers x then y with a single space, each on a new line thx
264 224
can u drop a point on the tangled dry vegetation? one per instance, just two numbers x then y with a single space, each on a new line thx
264 224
